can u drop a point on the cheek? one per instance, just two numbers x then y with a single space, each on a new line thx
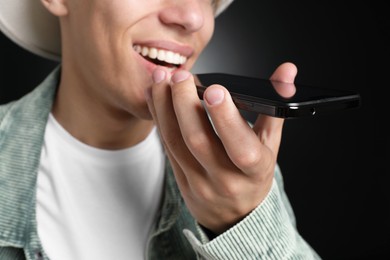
207 30
205 34
203 38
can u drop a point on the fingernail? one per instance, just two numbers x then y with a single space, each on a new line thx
159 75
214 96
181 75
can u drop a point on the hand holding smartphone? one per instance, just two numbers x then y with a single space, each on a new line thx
279 99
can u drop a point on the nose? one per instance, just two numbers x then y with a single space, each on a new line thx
186 14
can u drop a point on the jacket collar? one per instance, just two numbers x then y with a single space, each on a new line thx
22 127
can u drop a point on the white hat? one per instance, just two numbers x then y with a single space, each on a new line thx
31 26
222 5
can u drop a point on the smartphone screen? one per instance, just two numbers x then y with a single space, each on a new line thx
279 99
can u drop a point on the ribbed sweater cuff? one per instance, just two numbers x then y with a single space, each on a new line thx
266 233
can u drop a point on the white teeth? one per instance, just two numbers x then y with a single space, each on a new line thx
162 55
152 53
169 57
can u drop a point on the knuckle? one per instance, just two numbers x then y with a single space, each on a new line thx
204 193
197 141
248 160
231 189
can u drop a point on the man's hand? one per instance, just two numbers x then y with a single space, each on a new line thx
224 169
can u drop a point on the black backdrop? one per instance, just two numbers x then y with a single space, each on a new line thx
335 167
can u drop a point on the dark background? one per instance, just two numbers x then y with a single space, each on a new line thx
335 167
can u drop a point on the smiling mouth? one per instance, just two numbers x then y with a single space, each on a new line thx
161 57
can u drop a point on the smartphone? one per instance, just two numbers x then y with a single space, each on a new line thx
279 99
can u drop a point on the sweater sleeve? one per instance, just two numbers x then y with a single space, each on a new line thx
268 232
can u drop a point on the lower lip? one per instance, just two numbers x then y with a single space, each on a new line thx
150 66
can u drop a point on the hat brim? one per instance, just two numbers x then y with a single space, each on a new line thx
223 4
32 27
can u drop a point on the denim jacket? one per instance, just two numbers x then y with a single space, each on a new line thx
268 232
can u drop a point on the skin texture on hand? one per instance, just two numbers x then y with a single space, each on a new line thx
223 174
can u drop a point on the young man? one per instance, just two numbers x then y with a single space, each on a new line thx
113 155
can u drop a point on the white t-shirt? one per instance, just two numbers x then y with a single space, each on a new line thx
97 204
